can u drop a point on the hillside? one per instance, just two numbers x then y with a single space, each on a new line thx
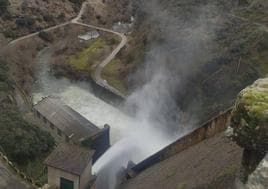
209 46
20 17
185 59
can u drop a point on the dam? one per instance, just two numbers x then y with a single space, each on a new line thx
126 132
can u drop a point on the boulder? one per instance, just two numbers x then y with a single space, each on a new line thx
249 125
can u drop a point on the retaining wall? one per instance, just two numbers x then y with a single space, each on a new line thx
18 172
207 130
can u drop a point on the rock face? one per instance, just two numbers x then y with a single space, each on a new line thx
250 125
259 179
250 117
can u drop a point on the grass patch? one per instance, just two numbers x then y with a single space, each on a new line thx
36 170
89 56
112 73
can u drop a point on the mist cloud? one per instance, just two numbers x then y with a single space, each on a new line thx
183 39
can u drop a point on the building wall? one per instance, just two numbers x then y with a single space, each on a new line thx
54 176
207 130
86 177
101 143
57 134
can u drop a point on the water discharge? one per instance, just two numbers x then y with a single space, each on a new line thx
134 138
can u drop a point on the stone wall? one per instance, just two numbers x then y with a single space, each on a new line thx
106 94
259 178
54 176
18 172
207 130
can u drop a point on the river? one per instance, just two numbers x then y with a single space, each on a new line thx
78 96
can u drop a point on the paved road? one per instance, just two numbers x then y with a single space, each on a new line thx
8 180
36 33
97 76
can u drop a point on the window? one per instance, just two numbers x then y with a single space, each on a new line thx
59 132
66 184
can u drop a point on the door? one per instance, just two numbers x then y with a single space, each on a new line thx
66 184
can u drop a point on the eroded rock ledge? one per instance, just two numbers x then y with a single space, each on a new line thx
250 125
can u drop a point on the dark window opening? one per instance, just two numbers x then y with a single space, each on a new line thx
66 184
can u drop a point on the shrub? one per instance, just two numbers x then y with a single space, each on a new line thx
19 140
25 21
3 5
45 36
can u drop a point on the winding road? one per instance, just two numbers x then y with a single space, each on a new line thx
97 76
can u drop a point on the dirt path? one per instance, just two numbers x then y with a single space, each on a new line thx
36 33
97 76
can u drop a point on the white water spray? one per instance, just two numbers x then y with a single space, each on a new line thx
78 96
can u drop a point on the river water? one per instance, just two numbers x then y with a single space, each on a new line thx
78 96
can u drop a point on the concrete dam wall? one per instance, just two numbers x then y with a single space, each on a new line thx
207 130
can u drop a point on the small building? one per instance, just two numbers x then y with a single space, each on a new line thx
89 35
69 167
67 125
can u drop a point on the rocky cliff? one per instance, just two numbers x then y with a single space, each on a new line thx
250 125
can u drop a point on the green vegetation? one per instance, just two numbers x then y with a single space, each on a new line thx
128 59
91 55
45 36
20 141
250 117
250 125
112 74
23 143
36 170
181 186
3 5
77 4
